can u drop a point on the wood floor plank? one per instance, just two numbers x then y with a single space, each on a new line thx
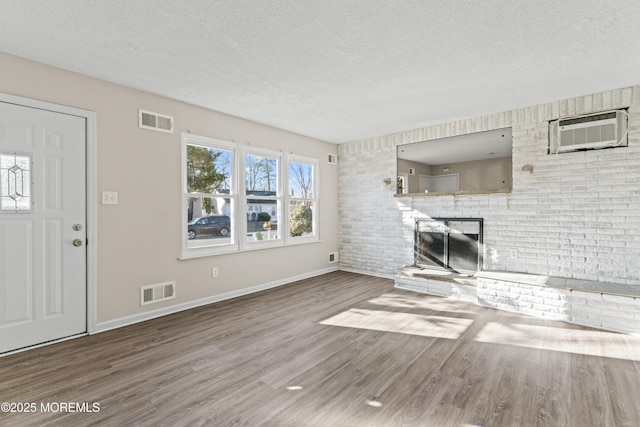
341 349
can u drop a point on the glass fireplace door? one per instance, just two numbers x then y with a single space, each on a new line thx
449 243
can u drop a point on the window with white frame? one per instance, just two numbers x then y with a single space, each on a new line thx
209 194
301 197
242 198
263 196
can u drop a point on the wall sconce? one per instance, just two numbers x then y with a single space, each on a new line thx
527 168
387 181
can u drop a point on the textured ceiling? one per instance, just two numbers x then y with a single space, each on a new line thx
338 70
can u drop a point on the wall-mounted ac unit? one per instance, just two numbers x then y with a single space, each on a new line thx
590 131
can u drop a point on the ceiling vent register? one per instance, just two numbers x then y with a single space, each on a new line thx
588 132
155 121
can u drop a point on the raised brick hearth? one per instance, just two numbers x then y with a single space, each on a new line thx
607 306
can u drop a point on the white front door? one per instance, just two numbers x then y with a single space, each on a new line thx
43 257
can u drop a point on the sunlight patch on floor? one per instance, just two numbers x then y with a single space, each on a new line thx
399 300
374 403
403 323
567 340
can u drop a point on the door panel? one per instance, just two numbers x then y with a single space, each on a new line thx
446 183
17 268
42 196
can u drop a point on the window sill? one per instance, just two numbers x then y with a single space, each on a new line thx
250 247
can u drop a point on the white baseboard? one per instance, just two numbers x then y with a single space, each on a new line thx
148 315
367 273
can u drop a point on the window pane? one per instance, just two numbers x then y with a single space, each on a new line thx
262 219
210 221
261 175
208 169
301 218
300 180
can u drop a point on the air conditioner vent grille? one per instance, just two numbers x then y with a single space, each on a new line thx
587 119
156 293
155 121
168 291
147 295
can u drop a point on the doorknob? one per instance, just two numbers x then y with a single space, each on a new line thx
77 242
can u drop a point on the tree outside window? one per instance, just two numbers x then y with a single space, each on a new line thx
301 201
207 173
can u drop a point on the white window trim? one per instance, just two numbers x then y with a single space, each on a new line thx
239 199
315 200
187 252
246 244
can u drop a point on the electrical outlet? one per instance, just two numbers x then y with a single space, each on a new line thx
214 272
514 253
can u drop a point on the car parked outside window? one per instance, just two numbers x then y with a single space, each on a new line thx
213 225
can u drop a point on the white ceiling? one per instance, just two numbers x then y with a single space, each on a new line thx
338 70
491 144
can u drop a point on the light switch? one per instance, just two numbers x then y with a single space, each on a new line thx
109 197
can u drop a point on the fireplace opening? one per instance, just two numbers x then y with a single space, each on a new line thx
449 243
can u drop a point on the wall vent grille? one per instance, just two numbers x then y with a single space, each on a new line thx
158 292
332 159
333 257
592 131
155 121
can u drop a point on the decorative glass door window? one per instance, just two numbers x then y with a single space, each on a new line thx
15 182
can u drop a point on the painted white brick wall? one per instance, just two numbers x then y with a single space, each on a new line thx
576 216
550 303
610 312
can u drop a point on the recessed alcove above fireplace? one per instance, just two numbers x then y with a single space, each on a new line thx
449 243
475 162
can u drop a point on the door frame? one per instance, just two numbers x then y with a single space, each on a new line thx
91 162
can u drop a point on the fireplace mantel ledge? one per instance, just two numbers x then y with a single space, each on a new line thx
456 193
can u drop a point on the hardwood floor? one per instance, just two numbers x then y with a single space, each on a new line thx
337 350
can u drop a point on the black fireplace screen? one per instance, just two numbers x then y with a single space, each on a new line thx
449 243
